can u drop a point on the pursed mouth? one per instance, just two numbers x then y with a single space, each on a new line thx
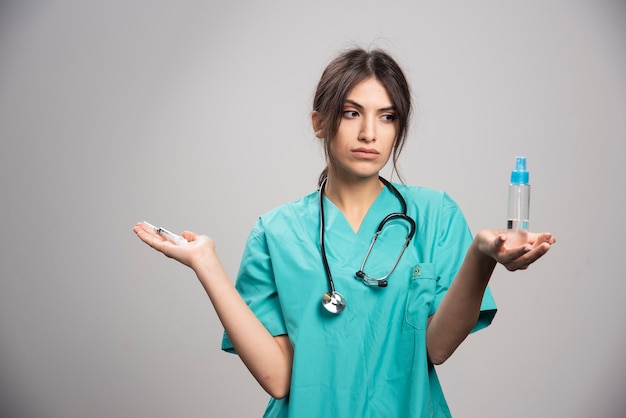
366 151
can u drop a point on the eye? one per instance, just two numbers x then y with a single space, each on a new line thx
350 114
389 117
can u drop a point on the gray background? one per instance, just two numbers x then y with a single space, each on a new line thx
195 115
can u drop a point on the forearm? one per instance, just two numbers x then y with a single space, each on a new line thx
268 358
460 307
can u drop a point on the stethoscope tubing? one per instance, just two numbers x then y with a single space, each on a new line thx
331 283
333 301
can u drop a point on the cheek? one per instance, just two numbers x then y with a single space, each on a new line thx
393 131
337 151
331 149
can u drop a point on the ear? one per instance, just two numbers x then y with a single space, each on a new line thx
316 121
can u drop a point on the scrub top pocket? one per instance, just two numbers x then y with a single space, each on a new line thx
421 295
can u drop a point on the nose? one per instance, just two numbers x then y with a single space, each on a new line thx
368 130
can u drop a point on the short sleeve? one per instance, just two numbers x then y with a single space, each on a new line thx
256 285
453 240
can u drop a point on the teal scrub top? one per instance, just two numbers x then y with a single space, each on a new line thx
370 360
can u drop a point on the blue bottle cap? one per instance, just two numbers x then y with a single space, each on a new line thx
520 174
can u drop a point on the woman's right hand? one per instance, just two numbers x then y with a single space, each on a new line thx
199 249
269 358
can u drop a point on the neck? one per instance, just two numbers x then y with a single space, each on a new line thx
353 197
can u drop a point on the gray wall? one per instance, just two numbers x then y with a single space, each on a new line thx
195 115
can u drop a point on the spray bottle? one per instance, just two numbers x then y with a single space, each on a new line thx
519 202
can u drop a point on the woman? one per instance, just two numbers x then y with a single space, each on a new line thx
367 347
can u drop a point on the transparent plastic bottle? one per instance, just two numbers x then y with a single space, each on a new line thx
519 203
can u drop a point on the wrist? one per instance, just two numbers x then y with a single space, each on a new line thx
206 264
479 256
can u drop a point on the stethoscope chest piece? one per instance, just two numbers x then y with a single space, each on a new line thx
333 302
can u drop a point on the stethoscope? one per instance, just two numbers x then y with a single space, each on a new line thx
332 300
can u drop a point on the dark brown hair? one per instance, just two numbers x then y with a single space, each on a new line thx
346 71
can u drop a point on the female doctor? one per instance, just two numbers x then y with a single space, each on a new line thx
330 313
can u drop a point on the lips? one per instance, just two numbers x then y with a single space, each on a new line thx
365 153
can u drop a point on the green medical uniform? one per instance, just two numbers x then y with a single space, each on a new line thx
370 360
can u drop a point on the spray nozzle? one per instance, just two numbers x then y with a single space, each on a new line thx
520 174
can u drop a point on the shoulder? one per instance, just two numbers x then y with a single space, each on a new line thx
439 219
426 197
433 208
288 215
294 209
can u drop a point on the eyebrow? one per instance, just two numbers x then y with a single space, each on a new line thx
360 107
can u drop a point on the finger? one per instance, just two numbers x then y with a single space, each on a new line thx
533 255
519 252
543 237
143 231
141 226
549 238
499 242
544 246
153 239
189 236
540 248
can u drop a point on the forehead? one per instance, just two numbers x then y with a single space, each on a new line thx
370 92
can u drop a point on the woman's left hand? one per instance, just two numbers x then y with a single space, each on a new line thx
515 250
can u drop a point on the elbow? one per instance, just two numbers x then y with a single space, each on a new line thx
438 357
438 353
277 390
277 385
279 394
275 377
440 348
